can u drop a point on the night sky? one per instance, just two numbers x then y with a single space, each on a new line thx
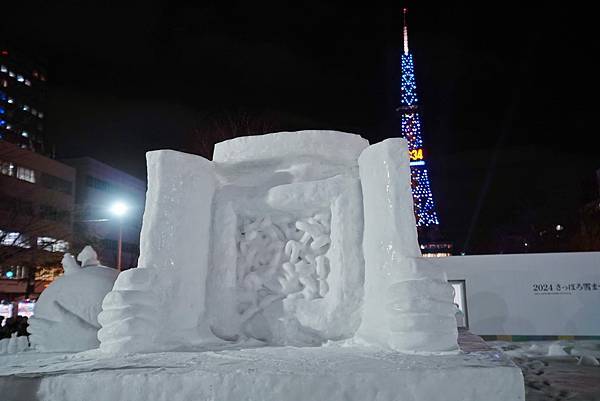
507 120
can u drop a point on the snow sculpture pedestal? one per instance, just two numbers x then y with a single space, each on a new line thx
331 373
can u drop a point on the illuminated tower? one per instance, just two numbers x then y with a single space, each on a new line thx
425 213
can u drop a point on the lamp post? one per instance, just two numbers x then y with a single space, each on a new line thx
119 209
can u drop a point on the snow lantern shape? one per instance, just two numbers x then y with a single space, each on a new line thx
292 238
66 312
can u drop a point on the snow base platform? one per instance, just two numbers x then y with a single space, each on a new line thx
329 373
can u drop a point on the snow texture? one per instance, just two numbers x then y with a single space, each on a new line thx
331 373
266 243
290 222
161 304
556 370
407 307
66 313
13 344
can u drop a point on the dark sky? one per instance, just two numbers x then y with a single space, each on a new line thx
505 90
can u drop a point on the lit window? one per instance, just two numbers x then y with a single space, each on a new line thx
2 123
41 115
26 174
35 74
52 244
25 134
20 78
25 108
42 77
3 68
4 83
34 112
9 127
7 168
10 100
3 96
13 239
11 74
27 82
2 111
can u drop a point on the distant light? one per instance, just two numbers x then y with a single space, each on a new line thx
526 244
559 227
9 274
119 209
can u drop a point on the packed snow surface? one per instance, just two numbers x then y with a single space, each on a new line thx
333 372
557 370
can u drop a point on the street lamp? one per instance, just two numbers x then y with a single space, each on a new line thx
119 209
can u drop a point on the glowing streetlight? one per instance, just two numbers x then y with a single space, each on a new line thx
119 209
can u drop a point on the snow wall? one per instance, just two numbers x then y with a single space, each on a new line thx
553 294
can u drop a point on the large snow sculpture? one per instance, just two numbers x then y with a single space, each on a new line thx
266 242
66 313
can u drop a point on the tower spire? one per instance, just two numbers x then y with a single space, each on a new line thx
405 30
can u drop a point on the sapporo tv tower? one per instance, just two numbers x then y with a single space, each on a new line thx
424 206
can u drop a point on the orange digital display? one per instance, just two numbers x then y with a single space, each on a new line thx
416 154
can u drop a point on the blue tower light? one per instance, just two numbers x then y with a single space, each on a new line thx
425 211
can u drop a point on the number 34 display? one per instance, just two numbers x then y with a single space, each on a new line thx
416 154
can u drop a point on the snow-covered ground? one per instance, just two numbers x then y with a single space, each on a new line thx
557 370
334 372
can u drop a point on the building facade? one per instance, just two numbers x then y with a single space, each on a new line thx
37 197
22 101
99 188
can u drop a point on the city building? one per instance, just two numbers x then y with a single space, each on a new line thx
36 212
100 188
22 94
424 206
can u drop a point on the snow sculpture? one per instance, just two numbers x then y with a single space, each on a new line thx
66 313
407 307
266 242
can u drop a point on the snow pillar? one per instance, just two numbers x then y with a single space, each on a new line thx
406 307
161 304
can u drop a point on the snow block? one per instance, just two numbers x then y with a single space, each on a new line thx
287 265
161 303
406 308
330 145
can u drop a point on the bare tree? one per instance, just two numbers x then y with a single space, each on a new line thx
214 127
588 236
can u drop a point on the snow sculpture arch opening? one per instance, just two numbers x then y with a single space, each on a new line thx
268 241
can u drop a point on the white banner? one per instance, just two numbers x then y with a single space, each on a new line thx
529 294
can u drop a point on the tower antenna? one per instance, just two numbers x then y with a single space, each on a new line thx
405 30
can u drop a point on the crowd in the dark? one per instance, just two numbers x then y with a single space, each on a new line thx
15 324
